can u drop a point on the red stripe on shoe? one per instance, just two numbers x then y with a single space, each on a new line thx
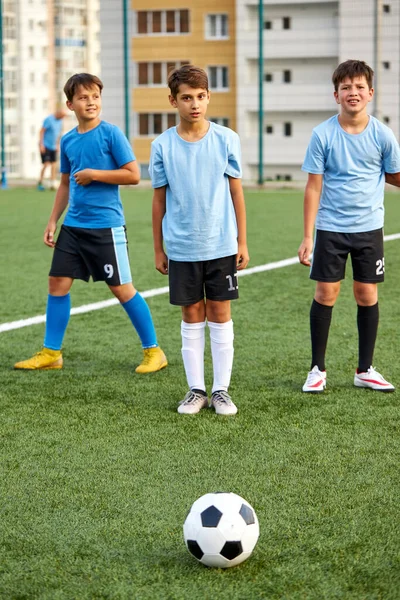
374 381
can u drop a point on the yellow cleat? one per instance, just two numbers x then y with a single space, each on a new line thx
154 360
45 359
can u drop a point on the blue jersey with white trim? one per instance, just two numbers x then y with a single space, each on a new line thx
98 204
353 168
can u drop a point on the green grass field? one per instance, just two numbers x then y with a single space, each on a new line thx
98 470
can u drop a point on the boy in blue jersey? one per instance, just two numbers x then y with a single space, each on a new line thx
199 212
348 159
49 138
95 159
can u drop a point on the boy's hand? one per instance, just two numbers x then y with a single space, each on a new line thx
84 177
161 261
305 251
242 257
49 232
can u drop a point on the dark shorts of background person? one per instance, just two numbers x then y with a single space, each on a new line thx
48 156
190 282
332 249
102 254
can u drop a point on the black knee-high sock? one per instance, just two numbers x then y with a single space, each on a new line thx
320 321
367 323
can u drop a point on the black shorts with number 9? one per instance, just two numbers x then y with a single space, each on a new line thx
332 249
190 282
99 253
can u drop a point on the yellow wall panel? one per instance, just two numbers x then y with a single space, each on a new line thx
192 47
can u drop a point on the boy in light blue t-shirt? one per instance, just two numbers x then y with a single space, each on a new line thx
348 160
95 159
199 213
49 138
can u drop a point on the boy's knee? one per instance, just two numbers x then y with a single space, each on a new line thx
218 311
59 286
327 293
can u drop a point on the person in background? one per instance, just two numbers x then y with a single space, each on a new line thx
49 139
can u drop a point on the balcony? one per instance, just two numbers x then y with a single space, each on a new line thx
283 97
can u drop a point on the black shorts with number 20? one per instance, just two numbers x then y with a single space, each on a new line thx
332 249
215 279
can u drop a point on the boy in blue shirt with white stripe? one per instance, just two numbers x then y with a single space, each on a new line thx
95 159
199 213
348 160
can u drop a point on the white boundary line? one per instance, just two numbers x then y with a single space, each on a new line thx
156 292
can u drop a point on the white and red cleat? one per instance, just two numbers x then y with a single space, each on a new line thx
373 380
315 382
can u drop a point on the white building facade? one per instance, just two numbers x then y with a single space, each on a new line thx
44 43
303 42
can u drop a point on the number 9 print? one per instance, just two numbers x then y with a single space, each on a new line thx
109 271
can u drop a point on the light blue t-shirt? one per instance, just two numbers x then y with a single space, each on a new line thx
98 204
52 131
353 166
200 221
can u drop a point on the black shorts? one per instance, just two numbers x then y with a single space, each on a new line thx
215 279
100 253
48 156
332 249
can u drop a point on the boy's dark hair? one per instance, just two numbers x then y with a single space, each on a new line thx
193 76
84 79
352 69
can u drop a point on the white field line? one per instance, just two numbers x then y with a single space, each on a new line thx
156 292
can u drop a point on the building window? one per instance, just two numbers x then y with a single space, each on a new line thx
268 77
386 120
269 129
386 64
218 77
162 22
224 121
153 124
32 104
287 76
32 77
287 129
156 73
267 24
31 51
386 8
286 23
217 27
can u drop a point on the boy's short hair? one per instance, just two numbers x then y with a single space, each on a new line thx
352 69
84 79
193 76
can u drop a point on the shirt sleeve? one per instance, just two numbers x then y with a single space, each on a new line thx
121 148
233 168
391 153
314 161
156 167
65 165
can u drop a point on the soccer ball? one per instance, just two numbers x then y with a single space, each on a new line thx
221 530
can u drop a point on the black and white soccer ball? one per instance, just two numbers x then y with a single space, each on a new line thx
221 530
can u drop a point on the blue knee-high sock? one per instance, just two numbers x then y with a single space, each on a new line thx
139 313
57 317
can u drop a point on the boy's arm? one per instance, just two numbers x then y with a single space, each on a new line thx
235 187
393 179
60 204
158 210
41 138
128 174
311 203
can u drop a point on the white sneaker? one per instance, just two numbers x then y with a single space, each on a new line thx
193 402
222 402
315 382
373 380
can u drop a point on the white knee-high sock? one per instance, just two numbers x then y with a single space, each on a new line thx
221 336
193 339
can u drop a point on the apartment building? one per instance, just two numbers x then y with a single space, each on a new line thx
164 35
44 43
303 42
